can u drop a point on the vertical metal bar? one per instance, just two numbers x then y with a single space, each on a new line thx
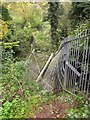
77 62
76 59
68 82
69 77
86 61
71 72
73 58
82 66
72 63
88 77
88 84
66 68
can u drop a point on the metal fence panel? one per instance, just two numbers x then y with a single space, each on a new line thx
77 64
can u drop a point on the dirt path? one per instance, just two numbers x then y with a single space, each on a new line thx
53 110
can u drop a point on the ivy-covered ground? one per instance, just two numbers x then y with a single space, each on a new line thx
24 98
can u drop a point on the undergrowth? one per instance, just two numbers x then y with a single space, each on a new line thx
80 109
80 105
20 97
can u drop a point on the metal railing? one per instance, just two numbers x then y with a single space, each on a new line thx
74 66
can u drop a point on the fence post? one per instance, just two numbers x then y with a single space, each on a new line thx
66 67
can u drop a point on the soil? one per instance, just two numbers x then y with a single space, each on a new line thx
55 109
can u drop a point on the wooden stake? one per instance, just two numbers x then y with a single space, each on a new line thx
45 67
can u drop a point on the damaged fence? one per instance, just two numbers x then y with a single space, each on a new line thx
74 65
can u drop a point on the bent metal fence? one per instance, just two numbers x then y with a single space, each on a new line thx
76 62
